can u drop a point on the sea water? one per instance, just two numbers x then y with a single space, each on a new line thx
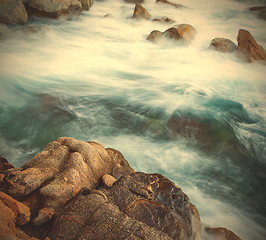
186 111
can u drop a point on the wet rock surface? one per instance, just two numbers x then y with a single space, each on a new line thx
81 190
223 45
248 49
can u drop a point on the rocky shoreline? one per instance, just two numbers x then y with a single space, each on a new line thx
81 190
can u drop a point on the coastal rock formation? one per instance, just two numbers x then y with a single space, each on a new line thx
260 11
80 190
248 49
223 45
163 20
221 233
141 12
13 12
86 4
55 8
184 33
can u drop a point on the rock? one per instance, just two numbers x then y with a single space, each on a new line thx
155 35
134 1
184 32
60 171
221 233
55 8
20 210
163 20
8 229
4 165
86 4
248 49
141 12
223 45
156 201
169 3
260 11
13 12
108 180
92 216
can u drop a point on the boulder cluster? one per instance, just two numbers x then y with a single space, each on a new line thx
81 190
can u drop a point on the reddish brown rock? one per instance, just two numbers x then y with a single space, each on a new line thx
184 32
141 12
4 165
20 210
223 45
248 49
108 180
222 233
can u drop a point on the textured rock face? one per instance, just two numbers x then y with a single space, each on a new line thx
184 33
223 45
141 12
13 12
86 4
59 172
248 49
55 8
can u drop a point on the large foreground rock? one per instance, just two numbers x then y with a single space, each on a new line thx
248 49
55 8
13 12
80 190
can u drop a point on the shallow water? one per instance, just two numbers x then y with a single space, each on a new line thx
195 115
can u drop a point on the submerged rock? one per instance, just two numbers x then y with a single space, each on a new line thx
223 45
55 8
221 233
134 1
163 20
169 3
248 49
260 11
141 12
13 12
155 35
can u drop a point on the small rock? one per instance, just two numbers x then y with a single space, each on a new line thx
223 45
222 233
108 180
155 35
183 32
141 12
163 20
260 11
13 12
134 1
169 3
248 49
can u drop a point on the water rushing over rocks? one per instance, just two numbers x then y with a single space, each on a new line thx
193 114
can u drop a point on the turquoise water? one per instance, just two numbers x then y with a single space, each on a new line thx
190 113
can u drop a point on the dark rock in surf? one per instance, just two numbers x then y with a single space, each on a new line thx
134 1
223 45
169 3
260 11
4 165
13 12
140 12
248 49
163 20
55 8
221 233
